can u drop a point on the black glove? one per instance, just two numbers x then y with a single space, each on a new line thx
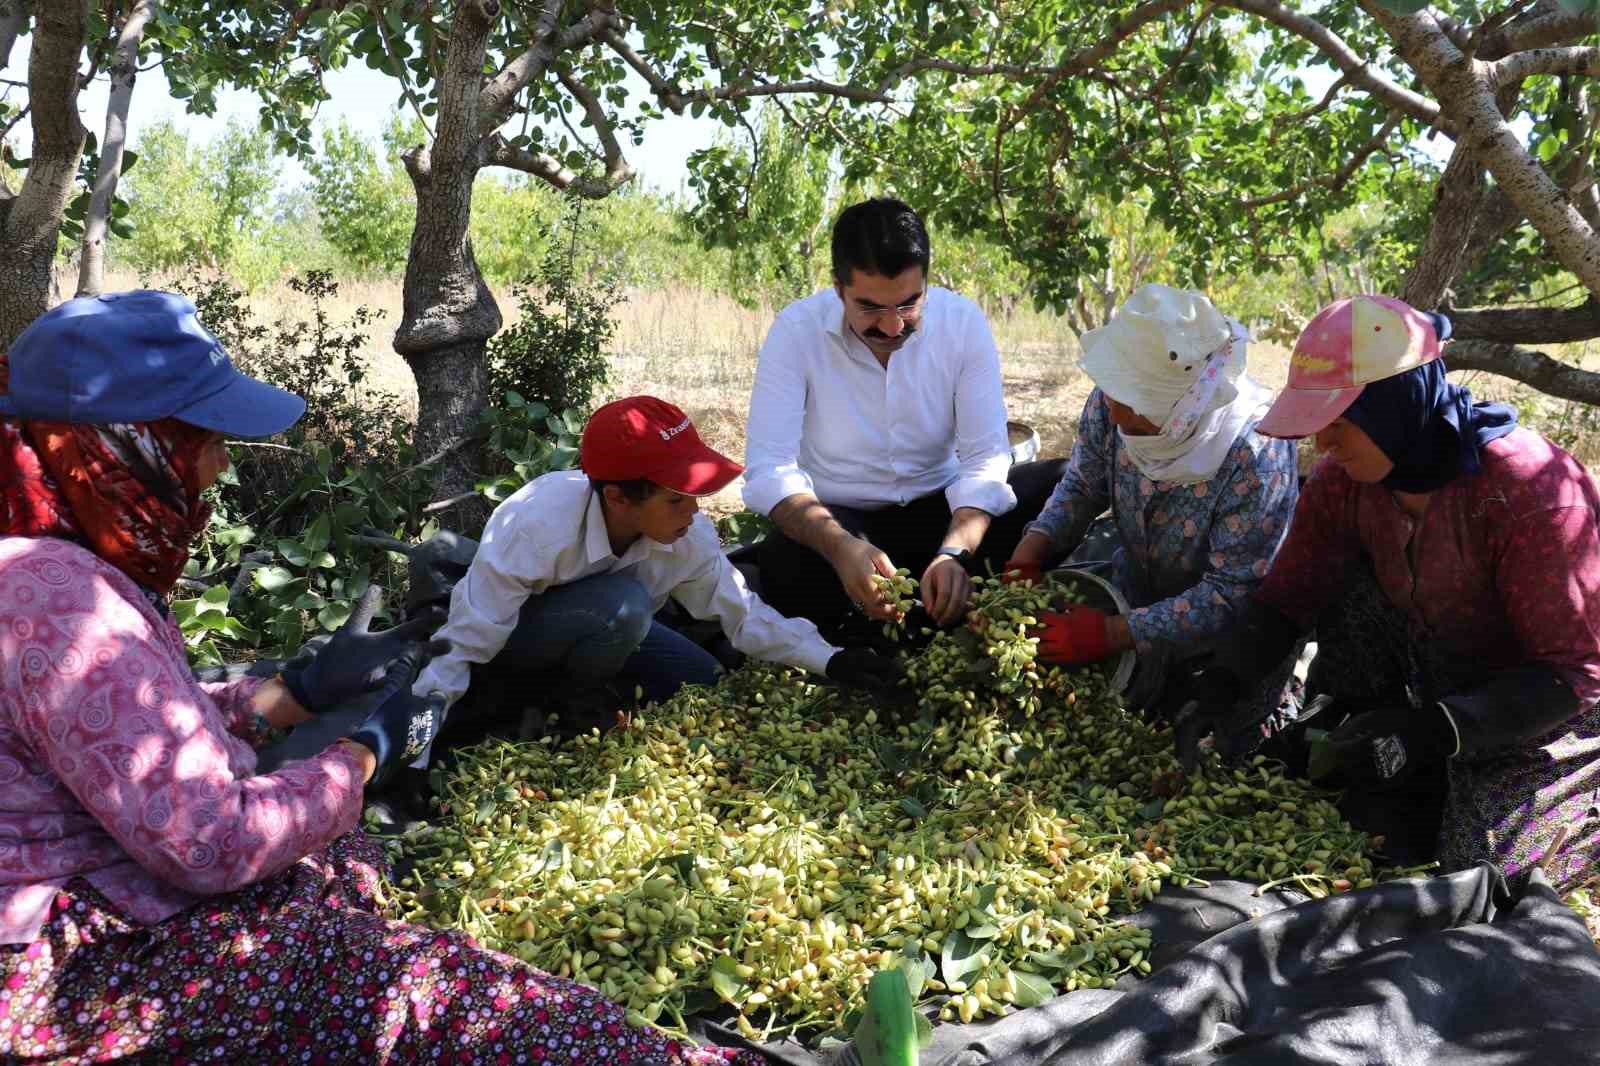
400 729
1383 747
1204 700
355 661
864 668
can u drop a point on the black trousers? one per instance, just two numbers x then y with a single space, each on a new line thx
800 583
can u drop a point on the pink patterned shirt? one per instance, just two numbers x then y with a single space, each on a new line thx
117 766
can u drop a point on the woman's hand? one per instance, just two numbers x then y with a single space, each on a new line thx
1027 559
364 756
356 662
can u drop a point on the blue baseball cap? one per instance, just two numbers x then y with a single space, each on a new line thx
137 357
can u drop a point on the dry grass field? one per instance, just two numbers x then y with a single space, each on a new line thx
698 349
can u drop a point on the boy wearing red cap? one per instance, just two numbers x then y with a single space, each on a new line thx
1450 563
573 567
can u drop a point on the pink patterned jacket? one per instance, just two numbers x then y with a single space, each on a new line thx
117 766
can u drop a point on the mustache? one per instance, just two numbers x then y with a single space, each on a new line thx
878 335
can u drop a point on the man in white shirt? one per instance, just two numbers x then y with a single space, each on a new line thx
877 435
573 567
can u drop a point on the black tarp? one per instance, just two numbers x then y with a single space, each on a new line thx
1452 970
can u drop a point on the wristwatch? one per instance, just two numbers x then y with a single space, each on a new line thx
960 555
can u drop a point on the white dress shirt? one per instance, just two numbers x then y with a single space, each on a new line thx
827 418
551 532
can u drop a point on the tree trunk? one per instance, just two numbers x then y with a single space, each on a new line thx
449 312
124 68
31 224
1466 90
1458 200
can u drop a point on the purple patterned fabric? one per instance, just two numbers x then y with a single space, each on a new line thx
117 766
298 968
1190 554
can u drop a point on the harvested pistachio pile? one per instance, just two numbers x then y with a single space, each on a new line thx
770 843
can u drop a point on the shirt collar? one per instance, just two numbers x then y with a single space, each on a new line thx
833 316
597 545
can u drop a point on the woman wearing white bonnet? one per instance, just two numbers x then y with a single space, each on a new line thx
1199 502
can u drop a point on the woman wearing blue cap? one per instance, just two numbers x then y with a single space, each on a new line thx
158 900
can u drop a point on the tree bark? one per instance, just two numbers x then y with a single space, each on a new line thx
1497 217
1467 90
1548 375
32 225
124 69
1458 200
449 313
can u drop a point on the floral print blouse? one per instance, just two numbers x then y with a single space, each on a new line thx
1190 555
117 766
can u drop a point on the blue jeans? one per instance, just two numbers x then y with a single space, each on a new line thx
600 629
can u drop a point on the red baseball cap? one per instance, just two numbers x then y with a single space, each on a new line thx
643 437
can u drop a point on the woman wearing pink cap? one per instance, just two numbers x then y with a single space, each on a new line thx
1449 562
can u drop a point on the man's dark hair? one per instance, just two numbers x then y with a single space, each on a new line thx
636 490
882 236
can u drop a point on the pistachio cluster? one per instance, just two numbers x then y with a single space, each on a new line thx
771 843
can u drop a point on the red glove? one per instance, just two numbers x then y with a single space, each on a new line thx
1077 635
1024 572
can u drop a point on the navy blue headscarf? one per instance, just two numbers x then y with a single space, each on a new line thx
1430 429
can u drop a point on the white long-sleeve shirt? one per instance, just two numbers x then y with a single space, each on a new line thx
552 532
826 418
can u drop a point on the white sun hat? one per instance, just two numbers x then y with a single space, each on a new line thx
1148 355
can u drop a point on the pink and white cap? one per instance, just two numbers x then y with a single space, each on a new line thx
1347 346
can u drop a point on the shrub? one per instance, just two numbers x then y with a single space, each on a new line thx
556 353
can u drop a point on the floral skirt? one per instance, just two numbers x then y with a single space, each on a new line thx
1512 808
301 968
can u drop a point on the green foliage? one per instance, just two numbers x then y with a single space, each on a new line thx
744 527
366 203
291 512
207 204
556 352
771 207
526 440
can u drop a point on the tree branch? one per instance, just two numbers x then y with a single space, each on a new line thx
1518 66
1548 25
499 95
1475 109
1345 58
398 68
547 168
1315 109
659 85
1335 181
1486 27
124 69
1550 376
1528 325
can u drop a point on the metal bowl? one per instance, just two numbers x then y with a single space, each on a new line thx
1101 594
1024 442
